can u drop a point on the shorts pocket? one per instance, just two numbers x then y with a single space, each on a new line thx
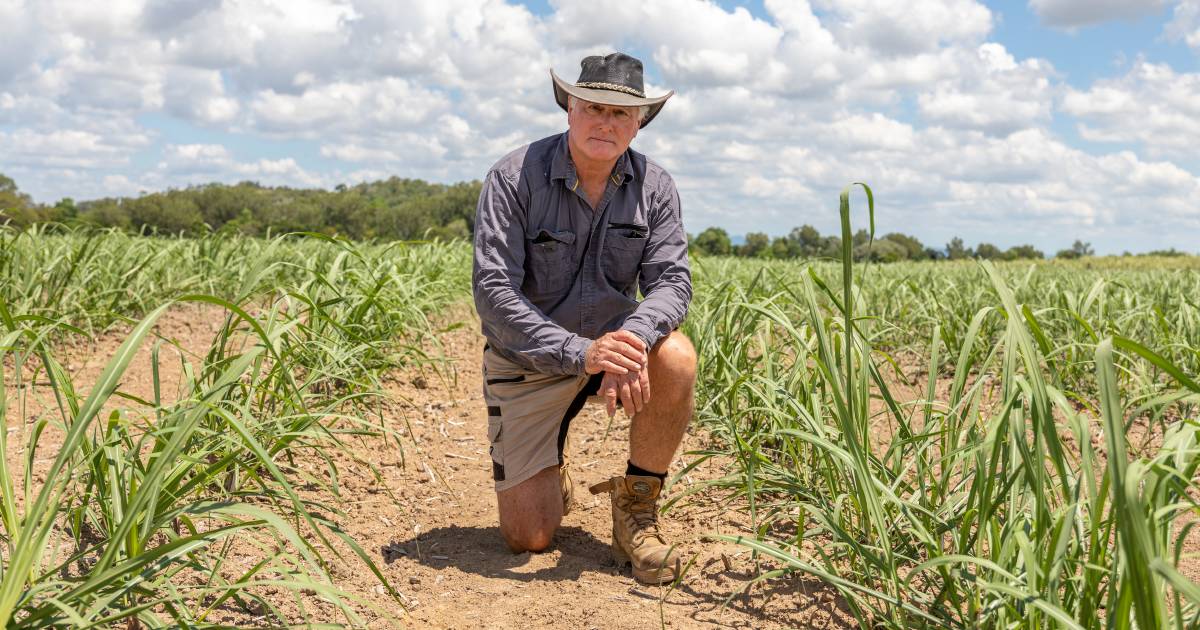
498 371
496 450
549 262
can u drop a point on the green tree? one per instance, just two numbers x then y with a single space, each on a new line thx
16 206
105 213
914 249
808 240
1023 252
714 241
171 212
1166 253
861 237
1079 249
781 248
65 210
882 250
831 247
456 229
987 251
955 250
757 244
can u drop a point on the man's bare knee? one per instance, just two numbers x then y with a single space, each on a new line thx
531 511
674 355
535 540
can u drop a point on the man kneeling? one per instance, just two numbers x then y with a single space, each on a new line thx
567 230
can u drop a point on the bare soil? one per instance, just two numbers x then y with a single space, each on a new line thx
438 541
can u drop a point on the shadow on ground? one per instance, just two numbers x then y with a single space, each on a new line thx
481 551
576 552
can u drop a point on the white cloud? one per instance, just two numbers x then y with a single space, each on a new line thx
359 153
344 106
993 93
909 28
1152 106
1076 13
16 39
78 148
197 163
195 158
1185 23
199 95
772 112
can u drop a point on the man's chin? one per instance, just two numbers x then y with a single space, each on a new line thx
602 151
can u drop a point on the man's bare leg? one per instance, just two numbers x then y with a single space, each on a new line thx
657 430
530 511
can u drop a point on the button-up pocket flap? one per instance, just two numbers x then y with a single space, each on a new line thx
549 265
629 230
636 242
544 237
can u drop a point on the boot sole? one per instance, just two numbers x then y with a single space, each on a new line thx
661 575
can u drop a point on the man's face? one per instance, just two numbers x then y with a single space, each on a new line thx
601 132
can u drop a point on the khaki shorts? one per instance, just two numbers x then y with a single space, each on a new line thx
528 416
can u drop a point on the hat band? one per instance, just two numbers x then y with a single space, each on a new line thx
610 86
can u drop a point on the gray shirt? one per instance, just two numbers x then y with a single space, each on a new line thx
551 273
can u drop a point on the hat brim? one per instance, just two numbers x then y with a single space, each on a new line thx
562 89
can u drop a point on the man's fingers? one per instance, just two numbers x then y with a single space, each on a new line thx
610 401
632 351
627 344
625 361
627 400
612 368
631 339
644 381
635 391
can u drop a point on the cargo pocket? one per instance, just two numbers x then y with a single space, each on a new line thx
623 251
549 262
496 450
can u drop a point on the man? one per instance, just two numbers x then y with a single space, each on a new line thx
567 230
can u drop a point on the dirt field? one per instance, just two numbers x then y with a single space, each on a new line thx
438 542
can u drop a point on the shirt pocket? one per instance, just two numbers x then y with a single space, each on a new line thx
623 249
549 262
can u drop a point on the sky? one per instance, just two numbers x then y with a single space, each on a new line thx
1034 122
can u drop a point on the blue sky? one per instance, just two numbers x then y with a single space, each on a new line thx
1008 122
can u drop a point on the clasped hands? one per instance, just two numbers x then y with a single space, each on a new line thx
625 361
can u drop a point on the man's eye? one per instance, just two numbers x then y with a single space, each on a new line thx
594 109
621 114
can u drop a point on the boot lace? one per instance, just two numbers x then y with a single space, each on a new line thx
642 518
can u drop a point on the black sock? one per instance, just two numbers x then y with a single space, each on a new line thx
631 469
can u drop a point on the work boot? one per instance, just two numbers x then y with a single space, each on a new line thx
564 480
636 539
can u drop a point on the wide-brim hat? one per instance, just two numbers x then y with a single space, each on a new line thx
614 79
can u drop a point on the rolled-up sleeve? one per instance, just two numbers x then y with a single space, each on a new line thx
666 279
505 312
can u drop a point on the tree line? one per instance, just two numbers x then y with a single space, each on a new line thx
389 209
806 242
404 209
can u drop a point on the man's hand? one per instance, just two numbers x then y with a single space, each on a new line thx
619 352
633 389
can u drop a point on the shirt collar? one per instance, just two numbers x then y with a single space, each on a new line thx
562 167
